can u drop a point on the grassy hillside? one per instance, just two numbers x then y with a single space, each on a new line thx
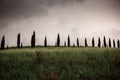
60 64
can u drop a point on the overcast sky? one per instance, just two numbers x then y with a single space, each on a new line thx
77 18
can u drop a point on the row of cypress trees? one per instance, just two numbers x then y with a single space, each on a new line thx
19 44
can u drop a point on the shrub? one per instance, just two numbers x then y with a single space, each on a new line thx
21 45
64 43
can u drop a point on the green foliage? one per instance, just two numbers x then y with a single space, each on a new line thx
60 63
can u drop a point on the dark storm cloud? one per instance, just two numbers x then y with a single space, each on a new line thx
12 10
27 7
19 8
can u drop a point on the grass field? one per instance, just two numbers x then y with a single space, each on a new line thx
60 64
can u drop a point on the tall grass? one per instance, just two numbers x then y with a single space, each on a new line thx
60 64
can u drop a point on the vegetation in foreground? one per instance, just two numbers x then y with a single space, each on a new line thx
61 63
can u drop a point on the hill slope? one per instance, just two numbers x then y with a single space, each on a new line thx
60 64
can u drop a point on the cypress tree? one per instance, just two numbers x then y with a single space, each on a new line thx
68 41
58 40
33 39
86 45
99 42
118 43
64 43
77 42
18 40
113 43
45 42
3 43
104 41
109 43
93 42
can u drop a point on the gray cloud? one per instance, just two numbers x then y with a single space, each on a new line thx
27 8
19 8
13 10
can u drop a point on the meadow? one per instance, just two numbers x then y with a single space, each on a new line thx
60 63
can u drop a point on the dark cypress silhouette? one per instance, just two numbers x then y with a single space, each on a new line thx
33 39
104 41
78 42
68 41
86 45
109 43
113 43
93 42
64 43
3 43
118 43
45 42
18 40
21 45
58 40
99 42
